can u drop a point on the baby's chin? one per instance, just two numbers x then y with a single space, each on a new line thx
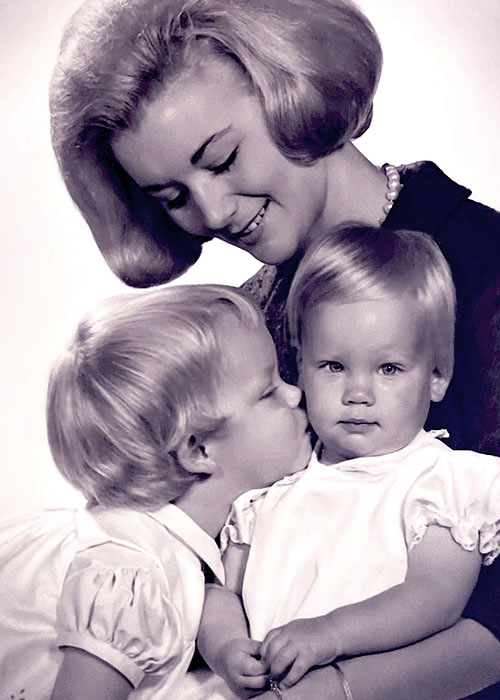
335 453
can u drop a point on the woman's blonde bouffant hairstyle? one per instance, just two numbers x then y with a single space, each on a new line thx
357 262
140 378
314 65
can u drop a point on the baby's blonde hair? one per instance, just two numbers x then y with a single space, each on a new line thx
138 379
361 262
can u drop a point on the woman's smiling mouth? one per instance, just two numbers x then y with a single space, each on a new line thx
254 223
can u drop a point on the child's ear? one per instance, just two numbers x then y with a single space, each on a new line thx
439 385
194 458
298 362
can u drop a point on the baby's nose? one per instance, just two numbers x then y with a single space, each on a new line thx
358 390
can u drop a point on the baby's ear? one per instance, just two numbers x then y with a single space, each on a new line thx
439 385
194 458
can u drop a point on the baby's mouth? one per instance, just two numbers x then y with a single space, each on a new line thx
254 223
356 425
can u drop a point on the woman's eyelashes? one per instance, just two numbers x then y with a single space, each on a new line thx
178 201
226 165
181 199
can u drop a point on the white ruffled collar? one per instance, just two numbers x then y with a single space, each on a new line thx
377 464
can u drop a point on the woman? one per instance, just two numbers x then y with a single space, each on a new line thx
177 121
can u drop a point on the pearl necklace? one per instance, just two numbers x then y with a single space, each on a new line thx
393 189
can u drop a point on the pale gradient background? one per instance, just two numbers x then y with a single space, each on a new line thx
439 99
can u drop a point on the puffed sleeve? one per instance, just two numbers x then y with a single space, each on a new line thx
460 492
240 522
120 614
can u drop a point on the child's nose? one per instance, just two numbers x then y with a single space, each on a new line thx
290 395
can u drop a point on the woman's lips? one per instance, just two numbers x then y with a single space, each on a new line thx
254 223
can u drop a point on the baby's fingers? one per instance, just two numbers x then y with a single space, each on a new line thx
299 668
250 666
281 660
255 682
270 640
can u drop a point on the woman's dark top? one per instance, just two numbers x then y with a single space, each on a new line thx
468 233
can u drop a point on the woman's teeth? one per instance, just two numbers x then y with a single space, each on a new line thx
256 220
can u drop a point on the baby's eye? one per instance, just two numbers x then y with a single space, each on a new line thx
334 367
389 370
226 165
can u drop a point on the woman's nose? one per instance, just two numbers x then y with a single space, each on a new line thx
216 204
358 389
290 394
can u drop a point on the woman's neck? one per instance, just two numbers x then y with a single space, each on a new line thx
355 192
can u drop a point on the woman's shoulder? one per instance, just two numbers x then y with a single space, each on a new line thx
467 231
433 202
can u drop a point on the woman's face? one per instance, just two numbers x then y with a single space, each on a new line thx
201 148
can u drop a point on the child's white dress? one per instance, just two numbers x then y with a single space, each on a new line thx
333 535
125 586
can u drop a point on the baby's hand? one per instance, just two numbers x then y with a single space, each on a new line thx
239 663
290 651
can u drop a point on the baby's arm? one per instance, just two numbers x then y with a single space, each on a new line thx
223 637
440 578
83 676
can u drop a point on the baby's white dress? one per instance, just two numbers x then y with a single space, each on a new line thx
125 586
333 535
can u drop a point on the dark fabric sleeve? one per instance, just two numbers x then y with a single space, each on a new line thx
484 604
468 233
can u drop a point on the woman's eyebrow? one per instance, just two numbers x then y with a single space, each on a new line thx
198 155
195 158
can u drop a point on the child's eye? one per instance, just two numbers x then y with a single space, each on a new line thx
268 394
333 367
226 165
389 370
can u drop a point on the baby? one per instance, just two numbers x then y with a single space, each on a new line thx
378 543
144 419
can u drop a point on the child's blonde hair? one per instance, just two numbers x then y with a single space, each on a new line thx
361 262
139 378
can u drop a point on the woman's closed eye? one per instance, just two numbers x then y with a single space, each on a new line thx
180 200
226 165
